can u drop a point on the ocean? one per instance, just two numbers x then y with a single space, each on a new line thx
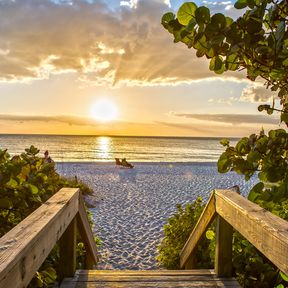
63 148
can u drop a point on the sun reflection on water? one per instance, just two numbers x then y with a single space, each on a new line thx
103 147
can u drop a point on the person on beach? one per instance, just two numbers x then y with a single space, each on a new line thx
47 158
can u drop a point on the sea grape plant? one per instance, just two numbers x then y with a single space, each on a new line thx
256 42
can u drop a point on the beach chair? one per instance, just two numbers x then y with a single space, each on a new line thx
118 162
126 164
123 163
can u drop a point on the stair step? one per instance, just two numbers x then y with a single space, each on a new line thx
147 279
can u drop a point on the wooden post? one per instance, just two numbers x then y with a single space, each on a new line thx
191 262
223 253
67 246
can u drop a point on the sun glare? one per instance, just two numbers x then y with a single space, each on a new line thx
104 110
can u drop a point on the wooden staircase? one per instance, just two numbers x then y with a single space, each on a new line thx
24 248
147 279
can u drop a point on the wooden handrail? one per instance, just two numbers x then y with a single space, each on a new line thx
267 232
25 247
204 221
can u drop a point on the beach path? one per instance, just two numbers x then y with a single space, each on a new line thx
129 207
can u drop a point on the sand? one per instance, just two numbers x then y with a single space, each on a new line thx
130 206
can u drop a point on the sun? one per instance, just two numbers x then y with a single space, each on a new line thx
104 110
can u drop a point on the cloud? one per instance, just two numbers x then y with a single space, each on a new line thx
70 120
104 45
228 101
234 119
257 92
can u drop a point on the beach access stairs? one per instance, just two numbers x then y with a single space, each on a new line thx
24 248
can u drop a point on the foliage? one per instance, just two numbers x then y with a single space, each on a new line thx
177 231
256 42
250 267
268 155
27 181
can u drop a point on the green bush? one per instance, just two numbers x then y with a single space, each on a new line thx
27 181
177 231
250 267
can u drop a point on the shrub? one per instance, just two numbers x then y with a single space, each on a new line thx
27 181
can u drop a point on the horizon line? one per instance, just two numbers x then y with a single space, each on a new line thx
127 136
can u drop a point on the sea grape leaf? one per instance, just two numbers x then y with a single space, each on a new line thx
240 4
224 163
283 276
186 13
202 15
5 203
255 191
224 142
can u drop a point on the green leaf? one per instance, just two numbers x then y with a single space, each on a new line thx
224 163
263 107
218 21
283 92
255 191
5 203
224 142
285 62
210 234
232 62
186 13
240 4
251 3
217 64
11 183
33 189
202 15
284 117
167 18
283 276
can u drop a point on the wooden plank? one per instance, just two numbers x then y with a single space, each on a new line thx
145 272
182 284
147 278
67 249
139 278
203 223
26 246
267 232
87 236
223 252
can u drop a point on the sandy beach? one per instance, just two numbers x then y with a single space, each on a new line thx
130 206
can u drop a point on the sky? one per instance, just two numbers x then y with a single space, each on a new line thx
59 60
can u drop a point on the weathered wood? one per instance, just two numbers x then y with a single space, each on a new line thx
67 249
26 246
87 236
267 232
203 223
151 278
223 252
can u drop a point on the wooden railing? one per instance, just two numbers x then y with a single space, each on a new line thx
24 248
267 232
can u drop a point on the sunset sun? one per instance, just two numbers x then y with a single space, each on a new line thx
104 110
